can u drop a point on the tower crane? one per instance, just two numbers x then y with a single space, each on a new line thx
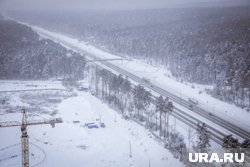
24 136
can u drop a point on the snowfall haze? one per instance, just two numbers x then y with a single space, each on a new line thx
97 5
136 82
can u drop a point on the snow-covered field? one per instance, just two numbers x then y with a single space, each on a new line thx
161 77
16 85
72 143
35 95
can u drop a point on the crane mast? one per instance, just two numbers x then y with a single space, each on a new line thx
25 141
24 135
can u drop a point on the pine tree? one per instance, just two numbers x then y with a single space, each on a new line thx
142 99
168 109
203 142
159 108
126 89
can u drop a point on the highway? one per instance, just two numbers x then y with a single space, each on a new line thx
219 121
186 117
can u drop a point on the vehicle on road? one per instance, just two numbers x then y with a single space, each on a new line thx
81 88
191 107
193 101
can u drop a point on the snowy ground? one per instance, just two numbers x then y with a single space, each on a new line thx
73 144
40 96
15 85
107 146
161 77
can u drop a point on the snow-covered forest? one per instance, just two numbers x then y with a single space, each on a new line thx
156 84
208 46
136 103
24 55
202 45
27 56
36 58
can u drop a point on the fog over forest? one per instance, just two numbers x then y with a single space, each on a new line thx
113 4
199 41
178 69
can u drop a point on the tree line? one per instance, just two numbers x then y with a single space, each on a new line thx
135 102
202 45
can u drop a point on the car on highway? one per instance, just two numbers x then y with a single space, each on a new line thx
81 88
191 107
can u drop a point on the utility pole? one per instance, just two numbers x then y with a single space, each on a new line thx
24 136
130 150
213 106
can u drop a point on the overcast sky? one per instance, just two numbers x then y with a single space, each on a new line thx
110 4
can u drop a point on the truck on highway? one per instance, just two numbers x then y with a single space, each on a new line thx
193 101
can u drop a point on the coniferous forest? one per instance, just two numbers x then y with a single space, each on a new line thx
155 102
201 45
24 55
